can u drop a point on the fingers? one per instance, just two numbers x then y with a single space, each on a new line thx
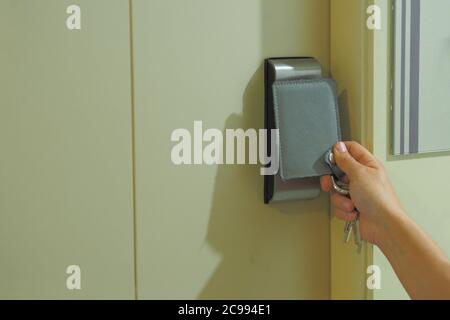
344 208
344 159
361 154
342 203
346 216
325 183
351 156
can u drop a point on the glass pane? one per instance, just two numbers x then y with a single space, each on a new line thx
421 103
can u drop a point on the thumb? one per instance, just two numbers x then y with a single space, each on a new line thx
344 159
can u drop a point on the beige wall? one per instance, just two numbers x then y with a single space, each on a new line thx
421 182
204 232
65 137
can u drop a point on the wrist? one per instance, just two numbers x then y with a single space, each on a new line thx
389 225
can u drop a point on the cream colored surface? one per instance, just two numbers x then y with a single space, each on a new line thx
434 110
349 66
204 232
65 137
422 183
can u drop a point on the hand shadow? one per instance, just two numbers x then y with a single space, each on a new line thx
268 252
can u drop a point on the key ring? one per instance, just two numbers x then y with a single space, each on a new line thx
339 186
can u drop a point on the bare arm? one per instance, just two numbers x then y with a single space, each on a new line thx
420 264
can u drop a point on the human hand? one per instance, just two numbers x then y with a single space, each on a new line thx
371 191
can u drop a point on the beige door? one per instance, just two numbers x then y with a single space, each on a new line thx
203 231
65 137
66 163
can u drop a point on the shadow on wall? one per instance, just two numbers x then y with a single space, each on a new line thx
266 250
277 251
344 116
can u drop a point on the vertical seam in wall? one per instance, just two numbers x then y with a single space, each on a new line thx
363 106
133 151
367 119
330 272
363 115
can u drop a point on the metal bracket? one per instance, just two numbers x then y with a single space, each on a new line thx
278 69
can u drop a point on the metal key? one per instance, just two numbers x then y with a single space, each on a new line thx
343 189
358 240
348 230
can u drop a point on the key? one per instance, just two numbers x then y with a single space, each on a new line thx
348 231
343 189
358 240
340 188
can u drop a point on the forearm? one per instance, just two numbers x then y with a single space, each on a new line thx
420 265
